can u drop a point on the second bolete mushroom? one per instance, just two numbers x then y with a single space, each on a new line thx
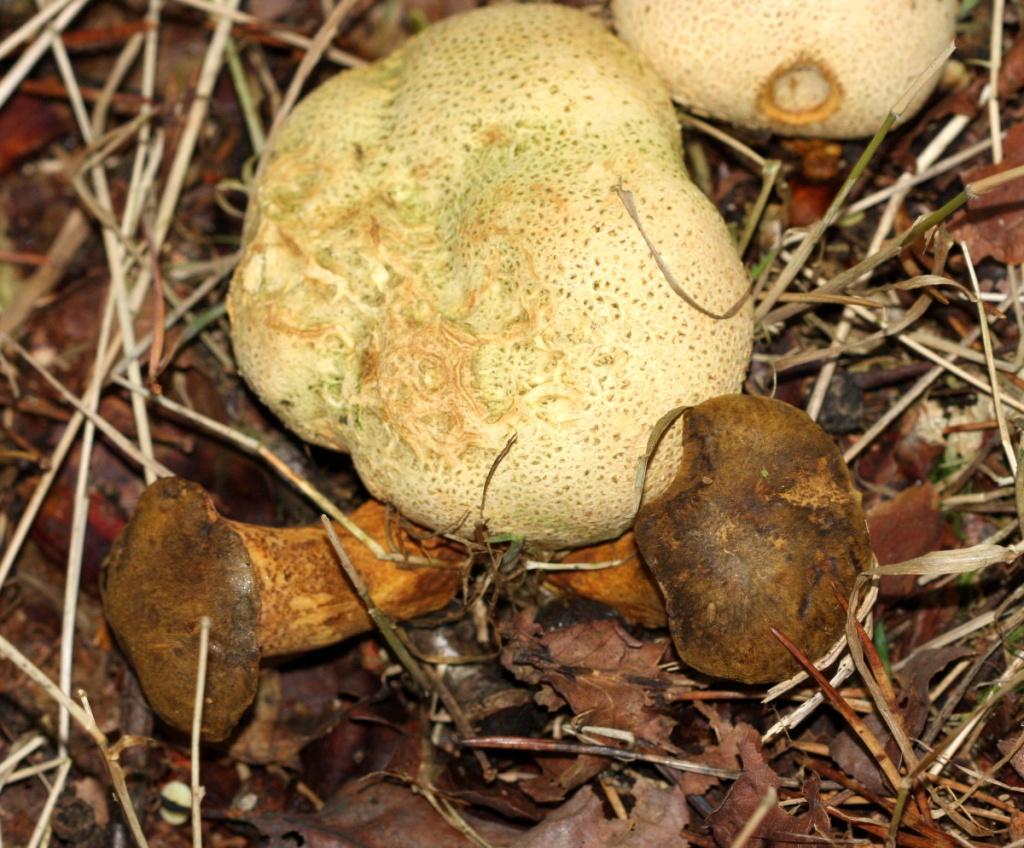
267 591
759 525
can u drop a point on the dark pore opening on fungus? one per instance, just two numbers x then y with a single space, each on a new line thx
760 522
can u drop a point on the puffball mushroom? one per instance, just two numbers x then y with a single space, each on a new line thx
267 591
436 260
795 67
759 524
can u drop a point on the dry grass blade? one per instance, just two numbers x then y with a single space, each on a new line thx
197 722
768 803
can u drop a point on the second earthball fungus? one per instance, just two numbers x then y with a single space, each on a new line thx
437 260
829 69
759 524
267 592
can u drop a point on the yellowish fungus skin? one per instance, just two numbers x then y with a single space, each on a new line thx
436 260
815 68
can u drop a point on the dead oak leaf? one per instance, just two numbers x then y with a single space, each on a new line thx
600 671
993 224
656 817
777 828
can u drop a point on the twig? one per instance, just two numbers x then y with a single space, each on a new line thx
385 623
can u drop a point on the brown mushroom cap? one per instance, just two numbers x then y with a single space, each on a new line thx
173 564
796 67
760 522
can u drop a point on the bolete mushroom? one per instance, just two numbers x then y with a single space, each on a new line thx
437 260
795 67
266 590
760 523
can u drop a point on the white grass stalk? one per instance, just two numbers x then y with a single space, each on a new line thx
120 441
316 50
285 36
952 161
938 145
990 364
278 465
42 828
210 70
994 66
197 723
20 69
31 27
114 250
143 148
88 724
21 749
33 771
42 489
79 525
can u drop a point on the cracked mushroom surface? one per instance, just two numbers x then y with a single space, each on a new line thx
436 261
796 67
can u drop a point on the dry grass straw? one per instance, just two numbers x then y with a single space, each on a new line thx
926 793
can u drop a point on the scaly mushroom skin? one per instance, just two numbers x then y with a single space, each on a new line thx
808 68
759 524
267 591
436 260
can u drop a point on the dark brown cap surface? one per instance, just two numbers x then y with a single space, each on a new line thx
760 522
174 563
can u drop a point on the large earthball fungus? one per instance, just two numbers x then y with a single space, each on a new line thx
437 260
759 528
816 68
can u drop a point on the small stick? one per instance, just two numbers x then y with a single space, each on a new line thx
385 623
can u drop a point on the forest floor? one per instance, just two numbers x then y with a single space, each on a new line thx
127 136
